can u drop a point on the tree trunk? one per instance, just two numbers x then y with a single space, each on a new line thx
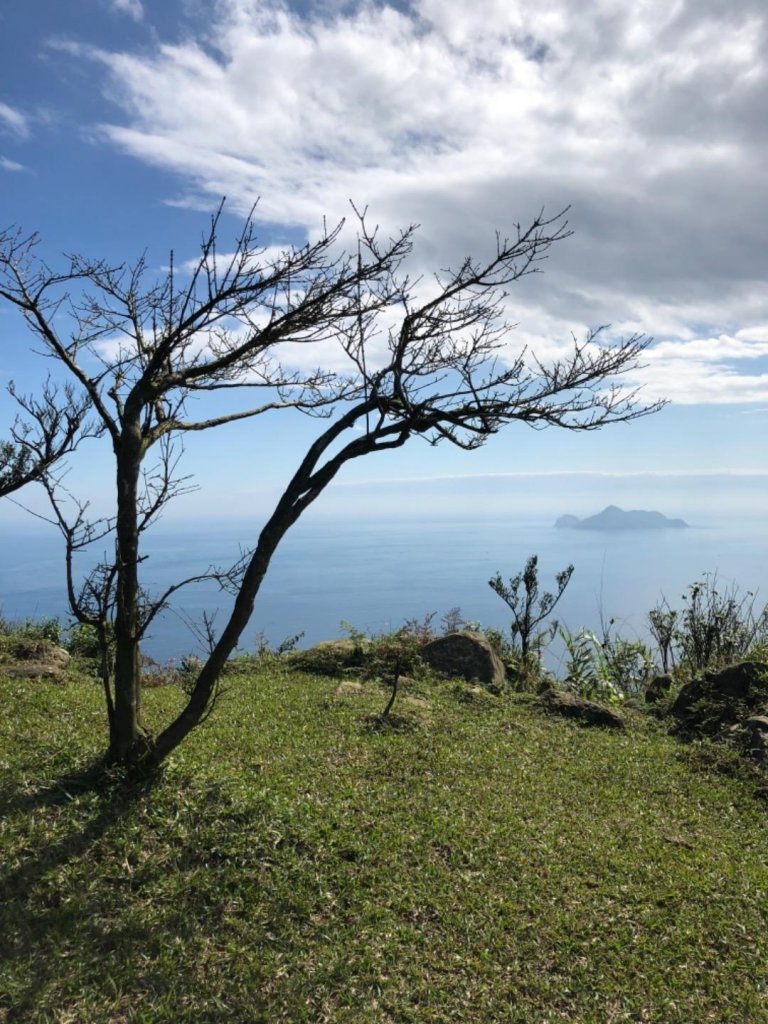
128 737
202 696
307 483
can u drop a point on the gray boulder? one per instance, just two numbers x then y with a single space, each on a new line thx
569 705
658 687
757 735
714 701
466 655
32 670
37 660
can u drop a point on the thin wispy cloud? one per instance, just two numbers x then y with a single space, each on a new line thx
585 474
10 165
133 8
13 120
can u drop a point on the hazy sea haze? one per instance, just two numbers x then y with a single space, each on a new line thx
375 574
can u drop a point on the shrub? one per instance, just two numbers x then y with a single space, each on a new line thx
421 629
452 621
588 668
29 638
265 649
83 641
716 627
188 671
153 673
627 663
48 630
392 655
529 609
399 652
330 658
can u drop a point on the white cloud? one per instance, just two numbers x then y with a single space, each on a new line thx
717 370
10 165
14 120
648 118
133 8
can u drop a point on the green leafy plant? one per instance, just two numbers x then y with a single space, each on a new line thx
759 650
718 626
422 629
188 671
662 621
359 637
628 663
29 638
588 669
264 649
529 609
40 629
453 620
83 641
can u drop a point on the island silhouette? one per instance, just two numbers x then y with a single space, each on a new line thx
614 518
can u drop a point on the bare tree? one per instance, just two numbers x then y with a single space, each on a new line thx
50 429
140 350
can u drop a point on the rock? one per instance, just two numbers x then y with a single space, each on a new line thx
58 656
479 696
349 688
328 658
40 652
569 705
757 734
31 670
634 704
416 702
711 703
36 659
658 688
466 655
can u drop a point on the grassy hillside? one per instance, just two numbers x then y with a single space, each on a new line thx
484 864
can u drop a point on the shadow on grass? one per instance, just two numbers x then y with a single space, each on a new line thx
28 928
93 777
84 917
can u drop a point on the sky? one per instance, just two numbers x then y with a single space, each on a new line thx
124 122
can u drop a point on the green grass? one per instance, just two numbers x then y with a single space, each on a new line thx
486 864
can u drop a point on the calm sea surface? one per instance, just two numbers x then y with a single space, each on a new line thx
376 574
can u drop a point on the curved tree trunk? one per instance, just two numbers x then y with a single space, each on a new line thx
203 695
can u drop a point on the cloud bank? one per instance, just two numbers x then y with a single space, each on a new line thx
648 119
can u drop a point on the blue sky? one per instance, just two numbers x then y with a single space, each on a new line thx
123 122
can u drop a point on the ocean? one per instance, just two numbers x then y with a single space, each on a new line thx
376 574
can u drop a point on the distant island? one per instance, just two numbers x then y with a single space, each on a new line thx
614 518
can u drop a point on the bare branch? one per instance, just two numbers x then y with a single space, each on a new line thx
53 426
